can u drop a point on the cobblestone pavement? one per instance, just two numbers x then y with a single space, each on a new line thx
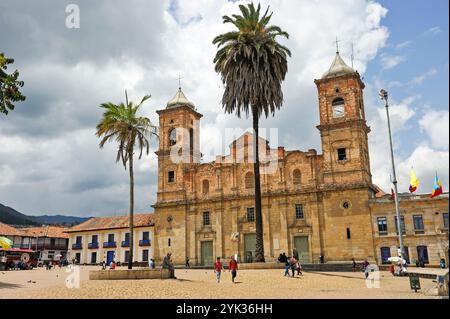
251 284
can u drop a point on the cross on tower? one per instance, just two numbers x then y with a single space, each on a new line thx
179 81
337 45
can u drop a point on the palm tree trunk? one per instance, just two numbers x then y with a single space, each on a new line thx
130 261
259 249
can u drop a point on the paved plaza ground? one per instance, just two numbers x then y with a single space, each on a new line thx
251 284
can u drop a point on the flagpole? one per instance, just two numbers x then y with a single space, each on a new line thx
384 96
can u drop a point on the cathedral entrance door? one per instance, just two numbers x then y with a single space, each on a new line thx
207 253
302 245
249 247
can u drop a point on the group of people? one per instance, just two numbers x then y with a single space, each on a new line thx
291 263
232 267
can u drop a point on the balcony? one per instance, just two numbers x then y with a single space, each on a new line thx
145 243
77 246
111 244
126 243
93 245
43 247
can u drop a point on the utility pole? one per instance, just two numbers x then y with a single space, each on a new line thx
384 96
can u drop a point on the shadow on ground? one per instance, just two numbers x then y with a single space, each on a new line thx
9 286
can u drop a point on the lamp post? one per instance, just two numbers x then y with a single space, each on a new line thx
384 96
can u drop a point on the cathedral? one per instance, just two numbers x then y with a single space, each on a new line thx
325 205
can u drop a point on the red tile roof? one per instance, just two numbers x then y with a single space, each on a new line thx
98 223
7 230
51 232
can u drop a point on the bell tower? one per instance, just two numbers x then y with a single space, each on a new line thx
343 128
179 150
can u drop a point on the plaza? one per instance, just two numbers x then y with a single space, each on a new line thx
200 284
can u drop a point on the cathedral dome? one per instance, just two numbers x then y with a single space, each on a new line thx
338 68
179 100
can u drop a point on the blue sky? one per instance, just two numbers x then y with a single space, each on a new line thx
419 35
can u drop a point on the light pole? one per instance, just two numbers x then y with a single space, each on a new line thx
384 96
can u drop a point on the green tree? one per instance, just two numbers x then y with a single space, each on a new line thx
9 86
252 65
120 123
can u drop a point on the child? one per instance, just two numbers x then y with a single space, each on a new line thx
392 269
286 267
233 268
218 269
299 268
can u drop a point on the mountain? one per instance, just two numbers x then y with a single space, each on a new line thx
11 216
60 220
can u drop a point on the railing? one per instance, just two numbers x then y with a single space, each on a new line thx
145 243
77 246
125 243
42 247
93 245
111 244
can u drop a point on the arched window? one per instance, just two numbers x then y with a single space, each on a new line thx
205 187
249 181
297 176
172 137
338 107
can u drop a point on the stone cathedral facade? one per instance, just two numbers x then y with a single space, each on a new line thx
319 203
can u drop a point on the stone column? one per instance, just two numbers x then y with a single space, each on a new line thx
284 233
192 242
219 234
235 228
266 230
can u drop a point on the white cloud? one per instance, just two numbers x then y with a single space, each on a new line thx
403 45
391 61
433 31
436 125
421 78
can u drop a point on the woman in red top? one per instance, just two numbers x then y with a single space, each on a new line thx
218 269
233 268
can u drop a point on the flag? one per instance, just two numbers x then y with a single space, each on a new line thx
437 187
392 194
414 182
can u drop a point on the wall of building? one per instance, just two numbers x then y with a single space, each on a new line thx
119 251
434 235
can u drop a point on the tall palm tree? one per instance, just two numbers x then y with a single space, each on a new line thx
120 123
252 65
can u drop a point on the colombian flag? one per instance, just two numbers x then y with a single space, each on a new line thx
437 187
414 182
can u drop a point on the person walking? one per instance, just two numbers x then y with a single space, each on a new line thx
233 268
292 264
283 259
103 265
187 263
152 263
366 268
299 268
218 269
354 264
295 254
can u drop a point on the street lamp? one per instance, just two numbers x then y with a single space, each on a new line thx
384 96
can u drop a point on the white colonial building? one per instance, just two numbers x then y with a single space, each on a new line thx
108 238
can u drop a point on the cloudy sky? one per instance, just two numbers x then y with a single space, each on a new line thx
50 162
